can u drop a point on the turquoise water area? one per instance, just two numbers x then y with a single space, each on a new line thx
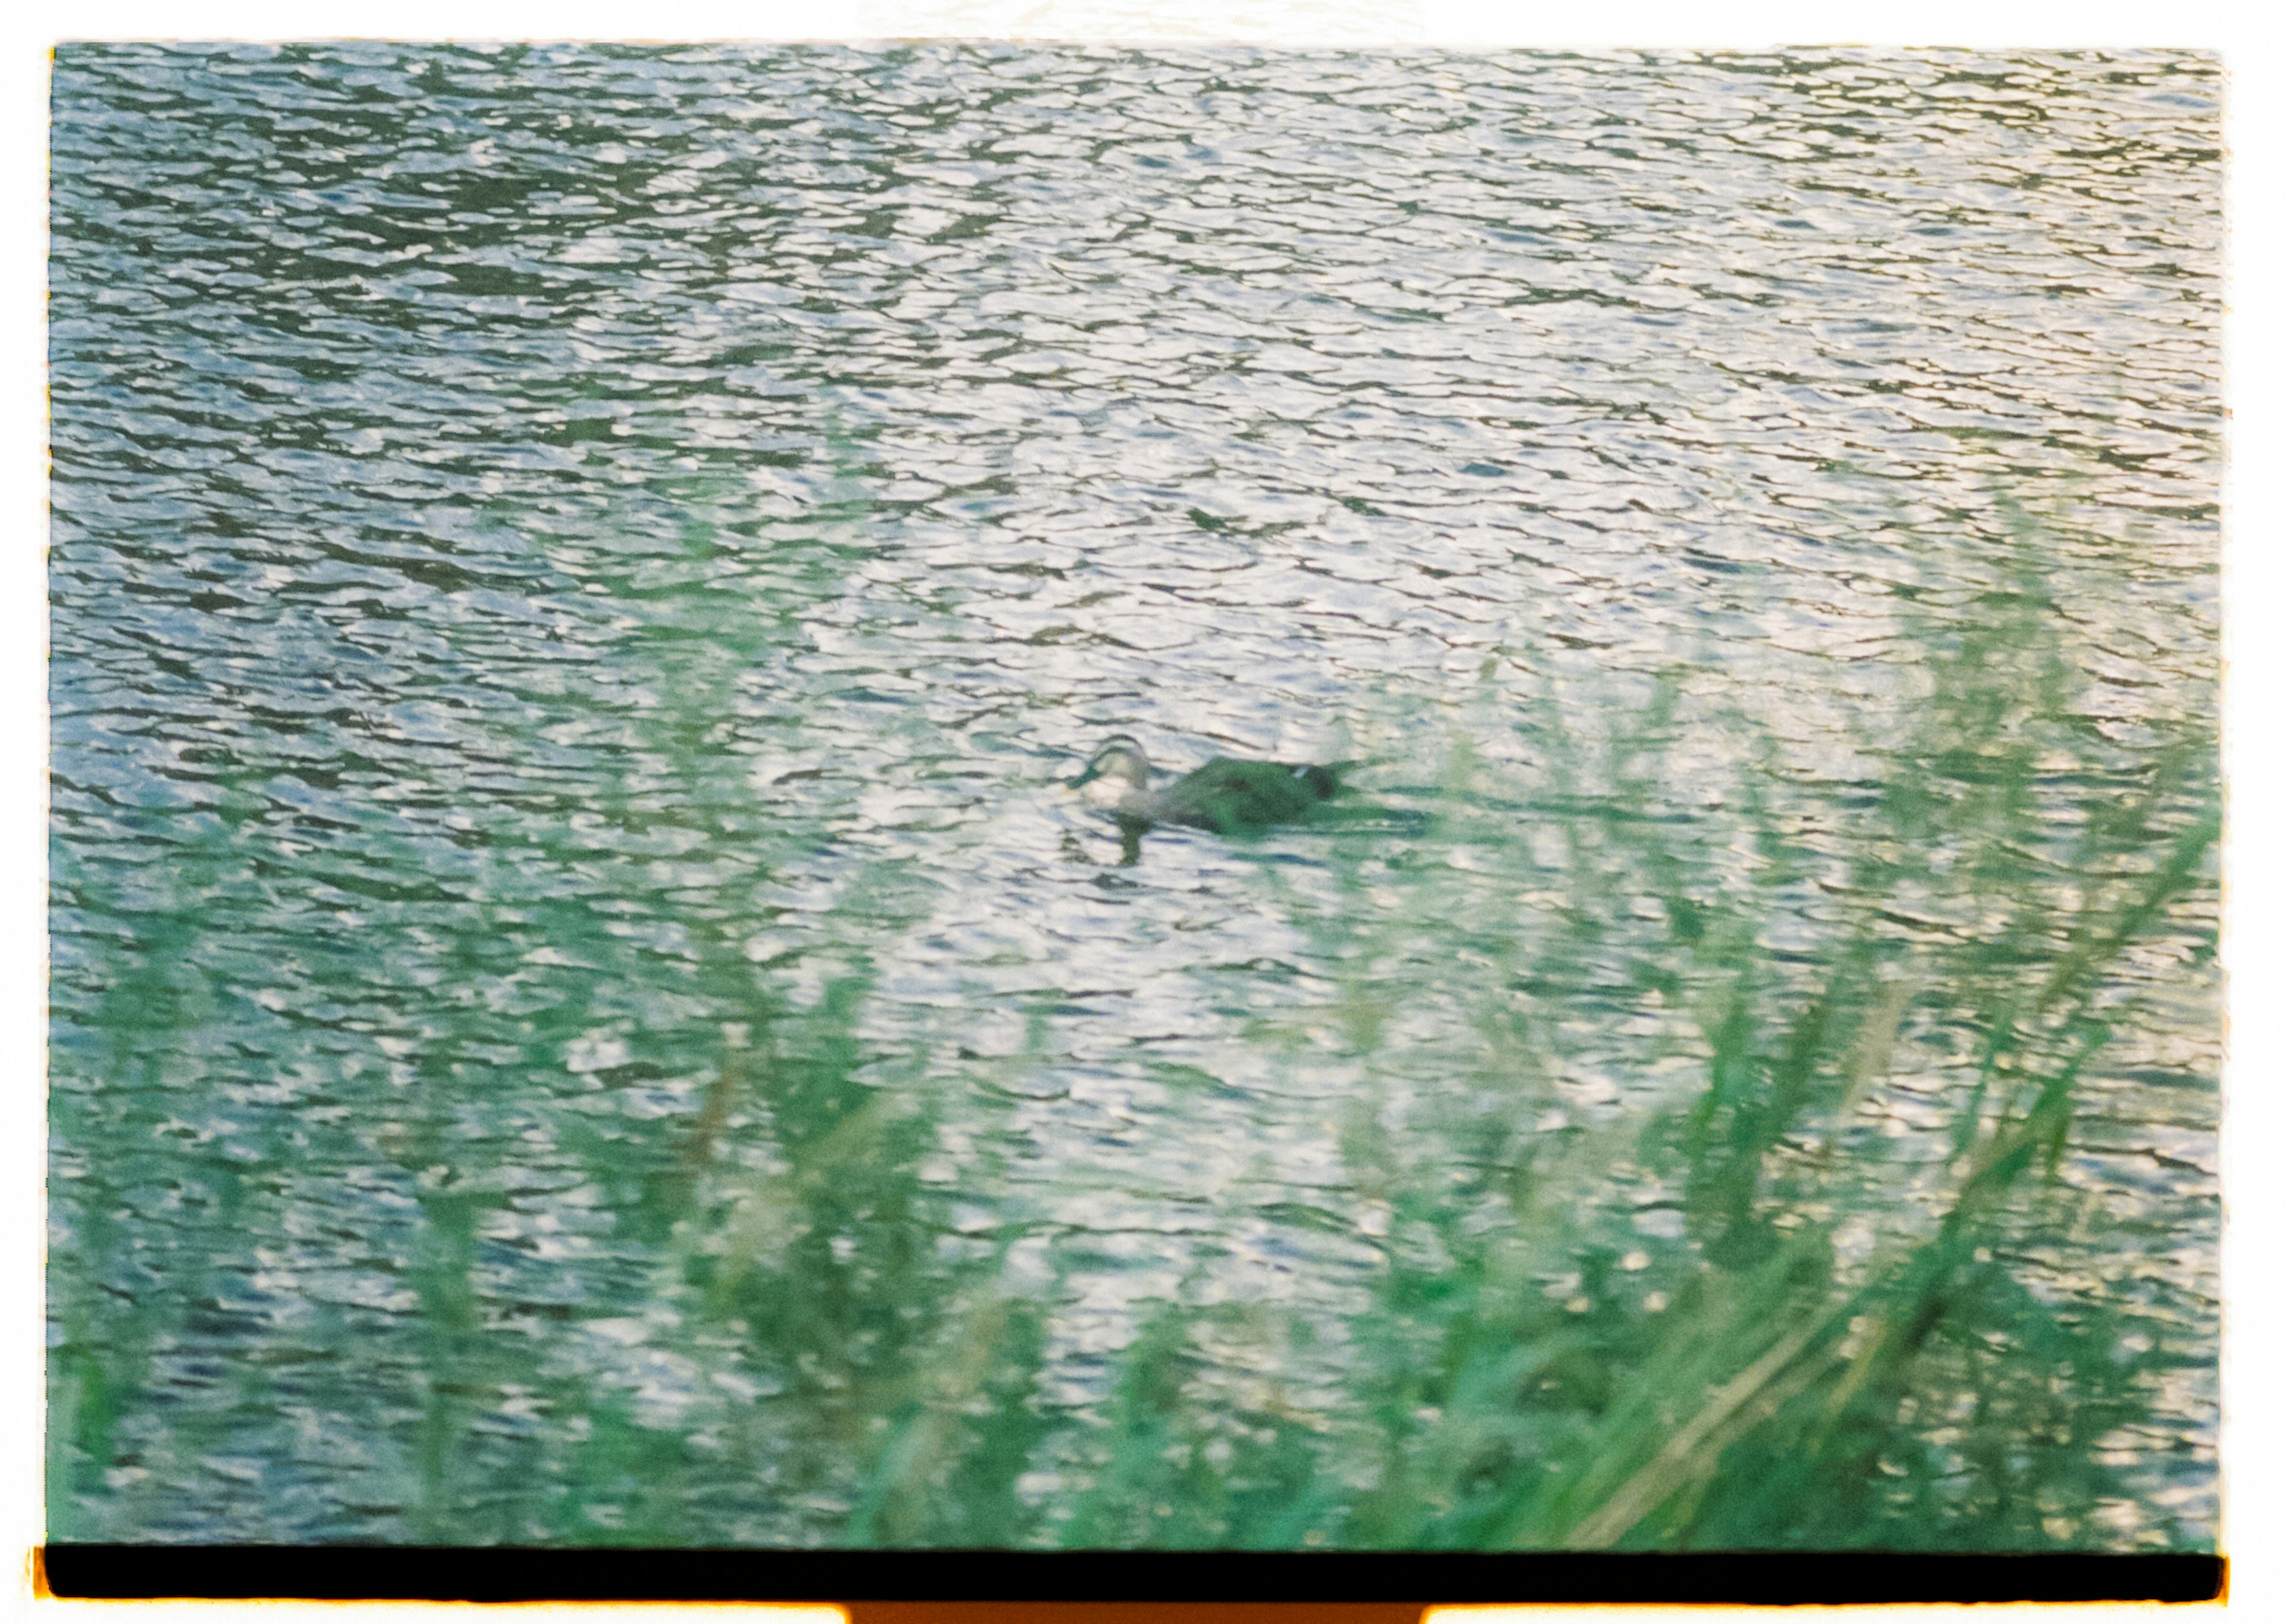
584 1009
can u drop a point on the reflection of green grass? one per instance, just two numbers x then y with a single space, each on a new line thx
1537 1372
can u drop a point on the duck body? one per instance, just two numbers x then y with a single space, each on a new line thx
1231 796
1226 795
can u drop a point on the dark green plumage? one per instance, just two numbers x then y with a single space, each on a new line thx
1232 797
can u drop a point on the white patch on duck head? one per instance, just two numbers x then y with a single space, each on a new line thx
1118 768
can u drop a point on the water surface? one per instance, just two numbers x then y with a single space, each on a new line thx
583 1010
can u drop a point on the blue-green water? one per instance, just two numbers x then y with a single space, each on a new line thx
583 1008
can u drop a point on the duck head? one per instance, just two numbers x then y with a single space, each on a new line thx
1118 770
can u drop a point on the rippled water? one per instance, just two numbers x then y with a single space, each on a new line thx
579 574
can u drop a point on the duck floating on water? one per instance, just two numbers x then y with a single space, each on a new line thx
1226 795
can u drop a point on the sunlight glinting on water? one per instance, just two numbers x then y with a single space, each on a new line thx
580 575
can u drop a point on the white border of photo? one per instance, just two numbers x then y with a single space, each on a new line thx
2248 36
